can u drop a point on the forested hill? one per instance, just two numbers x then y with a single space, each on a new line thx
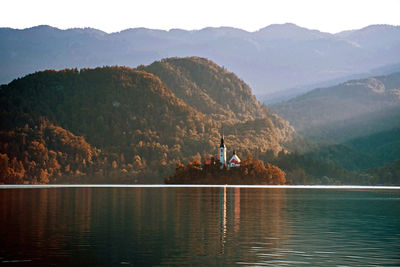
105 105
222 96
114 122
356 122
208 87
347 110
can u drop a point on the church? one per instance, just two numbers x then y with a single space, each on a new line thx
233 162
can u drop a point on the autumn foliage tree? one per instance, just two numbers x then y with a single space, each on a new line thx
251 171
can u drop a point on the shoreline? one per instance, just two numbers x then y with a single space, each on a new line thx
197 186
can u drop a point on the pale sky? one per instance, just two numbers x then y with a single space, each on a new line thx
251 15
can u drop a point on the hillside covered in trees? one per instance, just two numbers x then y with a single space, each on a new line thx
346 111
356 125
209 88
121 125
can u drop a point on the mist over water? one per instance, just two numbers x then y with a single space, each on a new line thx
200 225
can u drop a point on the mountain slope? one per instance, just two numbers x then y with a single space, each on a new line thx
224 97
208 87
373 36
356 122
323 111
290 93
115 101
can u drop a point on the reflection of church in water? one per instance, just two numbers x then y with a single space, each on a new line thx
234 202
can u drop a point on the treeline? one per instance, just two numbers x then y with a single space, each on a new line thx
298 169
388 174
251 171
362 153
303 169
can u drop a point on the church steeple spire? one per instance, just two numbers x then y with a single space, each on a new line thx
222 141
222 151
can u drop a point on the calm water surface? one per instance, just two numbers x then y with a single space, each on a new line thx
199 226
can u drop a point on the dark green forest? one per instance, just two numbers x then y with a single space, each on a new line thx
122 125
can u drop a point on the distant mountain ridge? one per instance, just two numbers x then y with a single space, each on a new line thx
272 59
290 31
290 93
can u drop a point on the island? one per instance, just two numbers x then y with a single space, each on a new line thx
251 171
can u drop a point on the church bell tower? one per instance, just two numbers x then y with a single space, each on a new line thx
222 152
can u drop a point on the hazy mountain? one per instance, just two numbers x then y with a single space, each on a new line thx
125 123
337 112
289 31
384 36
356 122
287 94
272 59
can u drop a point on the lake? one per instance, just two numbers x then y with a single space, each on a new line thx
199 226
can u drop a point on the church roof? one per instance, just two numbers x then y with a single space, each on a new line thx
235 159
